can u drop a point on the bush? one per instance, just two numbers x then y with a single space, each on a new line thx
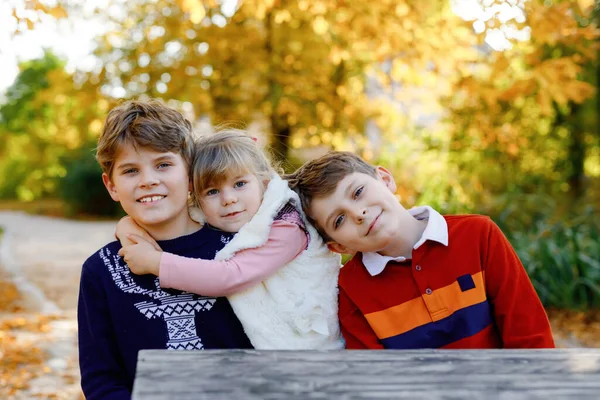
82 188
13 173
563 261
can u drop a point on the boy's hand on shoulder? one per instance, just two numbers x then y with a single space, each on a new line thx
141 256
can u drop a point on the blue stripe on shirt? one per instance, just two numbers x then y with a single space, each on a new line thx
461 324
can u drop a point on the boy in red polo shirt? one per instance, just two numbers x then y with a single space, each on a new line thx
418 279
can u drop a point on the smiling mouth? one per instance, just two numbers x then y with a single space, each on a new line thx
233 214
150 199
373 223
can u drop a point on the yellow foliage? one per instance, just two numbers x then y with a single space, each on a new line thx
58 12
282 58
585 5
195 8
508 114
36 10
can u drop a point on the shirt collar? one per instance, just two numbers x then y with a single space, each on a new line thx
436 230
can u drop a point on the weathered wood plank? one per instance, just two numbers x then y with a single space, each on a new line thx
227 374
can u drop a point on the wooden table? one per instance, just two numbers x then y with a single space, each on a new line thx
414 374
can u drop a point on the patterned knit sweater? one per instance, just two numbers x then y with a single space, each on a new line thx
120 313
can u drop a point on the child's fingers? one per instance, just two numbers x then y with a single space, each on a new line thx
135 238
153 243
144 240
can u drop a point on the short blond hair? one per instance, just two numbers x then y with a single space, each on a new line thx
319 178
225 153
149 124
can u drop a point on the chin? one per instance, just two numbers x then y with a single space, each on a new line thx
152 219
383 245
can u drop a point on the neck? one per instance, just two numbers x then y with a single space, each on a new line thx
403 243
173 229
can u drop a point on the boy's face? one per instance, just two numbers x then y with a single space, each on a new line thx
362 214
230 204
152 188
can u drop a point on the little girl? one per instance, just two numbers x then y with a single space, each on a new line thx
277 273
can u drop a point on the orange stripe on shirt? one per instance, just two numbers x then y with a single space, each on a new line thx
419 311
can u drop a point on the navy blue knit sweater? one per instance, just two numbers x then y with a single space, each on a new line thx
120 313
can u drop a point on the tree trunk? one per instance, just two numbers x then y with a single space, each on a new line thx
576 155
280 129
281 139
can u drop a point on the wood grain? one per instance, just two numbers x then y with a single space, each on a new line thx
415 374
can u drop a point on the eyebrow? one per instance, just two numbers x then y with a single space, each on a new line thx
348 189
166 157
125 165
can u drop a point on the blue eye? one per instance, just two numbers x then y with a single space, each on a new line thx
338 221
163 165
239 184
211 192
129 171
358 192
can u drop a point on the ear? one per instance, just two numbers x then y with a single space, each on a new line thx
112 189
387 178
338 248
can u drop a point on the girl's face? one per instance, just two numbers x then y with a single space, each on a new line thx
230 204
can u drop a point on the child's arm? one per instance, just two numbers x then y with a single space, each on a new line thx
356 331
102 372
218 278
245 269
521 318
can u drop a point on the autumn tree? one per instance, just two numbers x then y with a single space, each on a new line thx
515 120
302 65
30 12
46 117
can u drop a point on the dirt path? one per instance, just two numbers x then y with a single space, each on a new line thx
43 257
48 253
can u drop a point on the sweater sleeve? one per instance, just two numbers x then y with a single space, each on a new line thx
355 328
245 269
102 371
521 319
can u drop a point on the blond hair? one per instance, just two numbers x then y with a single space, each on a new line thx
319 178
149 124
227 153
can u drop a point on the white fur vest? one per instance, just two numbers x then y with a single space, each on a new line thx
296 308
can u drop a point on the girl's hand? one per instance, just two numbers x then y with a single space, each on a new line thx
127 226
141 256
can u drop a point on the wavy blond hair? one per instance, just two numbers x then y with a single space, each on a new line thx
225 153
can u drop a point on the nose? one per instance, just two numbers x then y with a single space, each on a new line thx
149 179
228 197
359 215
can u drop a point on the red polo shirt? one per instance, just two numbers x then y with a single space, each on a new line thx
473 293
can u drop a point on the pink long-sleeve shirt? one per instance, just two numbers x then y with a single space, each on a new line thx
245 269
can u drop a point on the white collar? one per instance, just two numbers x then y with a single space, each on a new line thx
436 230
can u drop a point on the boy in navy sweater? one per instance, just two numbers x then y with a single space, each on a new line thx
145 151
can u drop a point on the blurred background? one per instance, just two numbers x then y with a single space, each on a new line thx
477 106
